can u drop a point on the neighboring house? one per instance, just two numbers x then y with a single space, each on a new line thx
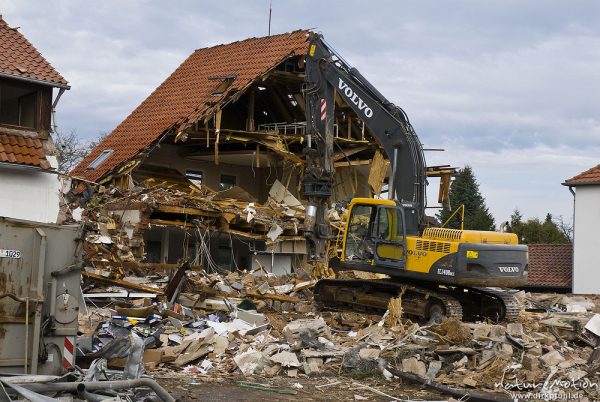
30 186
550 267
586 262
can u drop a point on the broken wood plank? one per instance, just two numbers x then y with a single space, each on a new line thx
352 163
348 152
143 266
122 283
378 172
218 131
174 209
281 298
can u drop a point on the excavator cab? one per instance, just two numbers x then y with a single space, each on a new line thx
375 234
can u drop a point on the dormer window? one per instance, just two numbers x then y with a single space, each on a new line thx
224 84
18 105
101 158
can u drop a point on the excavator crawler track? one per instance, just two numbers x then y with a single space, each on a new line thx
418 301
512 308
374 294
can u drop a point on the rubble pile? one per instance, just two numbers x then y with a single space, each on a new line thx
115 221
240 325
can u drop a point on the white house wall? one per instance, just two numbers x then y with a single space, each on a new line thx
586 275
29 194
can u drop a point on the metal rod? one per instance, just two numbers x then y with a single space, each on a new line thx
26 333
39 294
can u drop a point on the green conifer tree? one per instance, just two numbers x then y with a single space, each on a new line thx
465 190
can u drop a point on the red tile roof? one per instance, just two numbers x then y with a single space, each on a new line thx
550 265
19 58
22 149
590 176
186 95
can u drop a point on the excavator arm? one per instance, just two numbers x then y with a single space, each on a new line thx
325 73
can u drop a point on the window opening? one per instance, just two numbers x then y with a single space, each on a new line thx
227 182
195 176
224 84
18 106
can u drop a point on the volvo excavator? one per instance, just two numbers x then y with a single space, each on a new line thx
437 271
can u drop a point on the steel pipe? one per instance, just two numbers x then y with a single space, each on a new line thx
102 385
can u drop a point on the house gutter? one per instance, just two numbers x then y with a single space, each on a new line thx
60 92
35 81
18 166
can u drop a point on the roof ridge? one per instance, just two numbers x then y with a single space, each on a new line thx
252 39
187 94
20 59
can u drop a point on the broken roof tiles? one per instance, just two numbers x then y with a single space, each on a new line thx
550 265
187 94
18 148
20 59
590 176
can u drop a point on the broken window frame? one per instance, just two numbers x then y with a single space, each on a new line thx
224 84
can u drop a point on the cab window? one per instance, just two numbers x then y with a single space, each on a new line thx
358 232
390 225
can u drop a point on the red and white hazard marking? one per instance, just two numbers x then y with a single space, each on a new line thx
323 109
69 352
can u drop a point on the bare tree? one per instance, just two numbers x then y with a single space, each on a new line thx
566 227
71 149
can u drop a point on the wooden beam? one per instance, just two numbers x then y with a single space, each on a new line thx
282 298
348 152
118 282
143 266
175 209
352 163
218 131
250 117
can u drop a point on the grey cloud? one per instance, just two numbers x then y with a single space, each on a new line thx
510 87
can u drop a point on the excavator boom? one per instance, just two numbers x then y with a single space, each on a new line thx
436 269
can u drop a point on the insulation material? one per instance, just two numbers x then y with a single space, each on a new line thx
378 172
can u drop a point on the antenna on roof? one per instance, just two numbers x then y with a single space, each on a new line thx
270 12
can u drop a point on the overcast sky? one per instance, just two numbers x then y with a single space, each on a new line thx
510 87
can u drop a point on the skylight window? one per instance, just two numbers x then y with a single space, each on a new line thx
101 158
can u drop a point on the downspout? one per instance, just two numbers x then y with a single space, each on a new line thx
53 110
573 258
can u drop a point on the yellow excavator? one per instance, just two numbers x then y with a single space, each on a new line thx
437 271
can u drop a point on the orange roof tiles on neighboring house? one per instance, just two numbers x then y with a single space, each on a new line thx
22 149
20 59
187 94
550 265
590 176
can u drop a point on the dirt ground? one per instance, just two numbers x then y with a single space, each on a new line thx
342 388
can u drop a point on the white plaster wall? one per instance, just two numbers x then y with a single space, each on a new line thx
586 275
29 194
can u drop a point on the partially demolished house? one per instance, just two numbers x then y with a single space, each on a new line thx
208 166
30 186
